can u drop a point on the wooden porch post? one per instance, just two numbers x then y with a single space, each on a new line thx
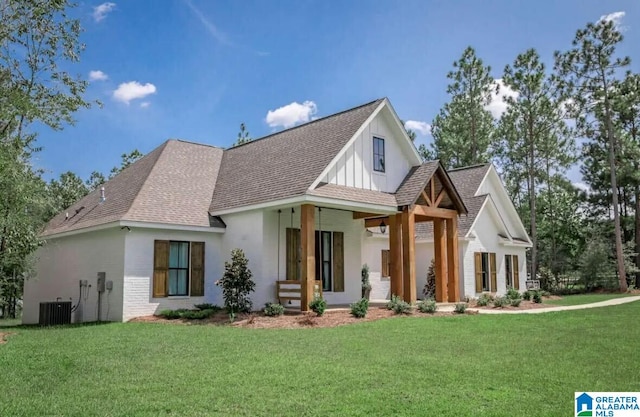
440 256
395 253
307 231
409 255
452 260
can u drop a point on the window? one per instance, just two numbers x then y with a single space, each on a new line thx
386 264
485 265
178 268
512 273
329 255
378 154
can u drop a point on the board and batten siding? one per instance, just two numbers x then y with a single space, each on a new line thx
355 166
138 297
60 265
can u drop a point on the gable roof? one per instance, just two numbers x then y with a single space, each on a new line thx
416 181
286 163
467 180
171 185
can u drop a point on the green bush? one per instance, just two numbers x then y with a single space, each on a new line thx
237 284
515 302
207 306
183 313
513 294
391 305
500 302
460 308
402 307
427 306
484 300
318 305
273 309
537 297
359 308
526 295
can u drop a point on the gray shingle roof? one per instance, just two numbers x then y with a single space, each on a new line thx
415 181
284 164
424 230
172 184
467 180
360 195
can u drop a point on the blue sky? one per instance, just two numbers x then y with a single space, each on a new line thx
196 69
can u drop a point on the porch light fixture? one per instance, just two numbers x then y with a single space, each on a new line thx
383 227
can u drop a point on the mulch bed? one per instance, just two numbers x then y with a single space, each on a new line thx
292 319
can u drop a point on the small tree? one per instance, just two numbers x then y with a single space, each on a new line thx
237 284
429 289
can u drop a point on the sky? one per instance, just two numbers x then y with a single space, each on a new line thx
196 69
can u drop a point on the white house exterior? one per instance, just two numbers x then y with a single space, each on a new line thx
300 204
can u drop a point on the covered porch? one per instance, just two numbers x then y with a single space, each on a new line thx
426 195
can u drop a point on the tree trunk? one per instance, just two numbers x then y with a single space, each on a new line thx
614 195
637 234
532 201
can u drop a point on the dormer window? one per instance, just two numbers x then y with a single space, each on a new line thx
378 154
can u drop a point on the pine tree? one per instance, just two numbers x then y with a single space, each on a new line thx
464 130
536 142
243 135
587 74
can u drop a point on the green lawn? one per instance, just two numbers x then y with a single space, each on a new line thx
482 365
571 300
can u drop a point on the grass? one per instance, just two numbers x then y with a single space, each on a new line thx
571 300
511 365
9 322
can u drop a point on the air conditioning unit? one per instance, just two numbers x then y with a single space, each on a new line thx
55 313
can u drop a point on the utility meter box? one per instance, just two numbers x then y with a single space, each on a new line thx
102 276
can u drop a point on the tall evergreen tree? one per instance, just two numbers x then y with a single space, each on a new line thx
535 141
464 130
587 74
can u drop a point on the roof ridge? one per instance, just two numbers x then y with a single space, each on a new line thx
306 124
196 143
469 167
161 150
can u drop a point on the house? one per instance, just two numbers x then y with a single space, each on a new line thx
298 202
492 240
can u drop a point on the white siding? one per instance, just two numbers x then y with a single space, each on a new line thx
493 186
63 262
138 271
355 167
372 248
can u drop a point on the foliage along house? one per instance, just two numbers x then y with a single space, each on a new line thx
300 204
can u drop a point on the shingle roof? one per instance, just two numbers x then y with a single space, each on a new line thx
359 195
284 164
172 184
467 179
415 181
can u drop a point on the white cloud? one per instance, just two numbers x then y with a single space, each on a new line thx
145 104
100 12
133 90
97 75
498 105
615 17
291 114
422 128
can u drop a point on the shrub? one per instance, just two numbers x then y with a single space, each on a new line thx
513 294
427 306
500 302
318 305
237 284
207 306
359 308
483 300
172 314
183 313
364 273
429 290
392 303
402 307
515 302
537 297
526 295
273 309
460 308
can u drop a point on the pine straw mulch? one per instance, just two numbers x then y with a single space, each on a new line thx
293 319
